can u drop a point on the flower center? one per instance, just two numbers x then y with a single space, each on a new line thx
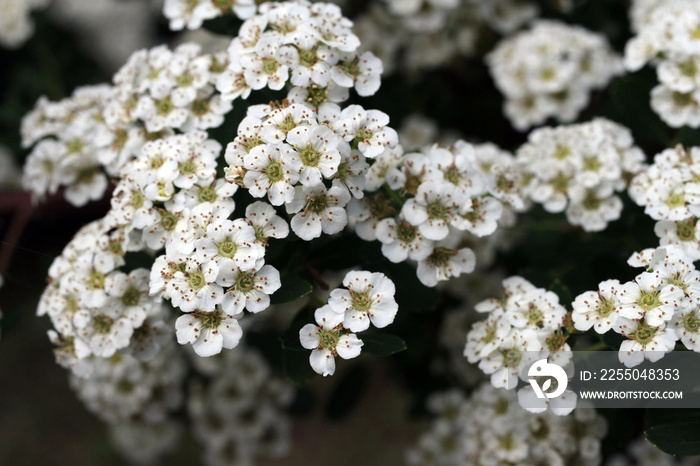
675 200
328 339
591 201
131 296
168 220
691 323
644 333
310 156
453 175
649 300
560 183
207 194
245 282
685 229
196 280
511 357
269 66
317 204
164 106
681 99
188 167
437 210
274 171
137 200
317 95
200 107
95 280
405 232
440 257
75 146
227 248
592 164
307 58
605 308
361 301
102 324
562 152
534 316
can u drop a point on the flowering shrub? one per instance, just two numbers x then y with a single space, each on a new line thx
265 204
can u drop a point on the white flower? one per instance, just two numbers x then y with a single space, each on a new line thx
231 244
644 341
208 332
486 336
686 324
327 340
249 289
263 67
648 297
369 297
368 128
318 210
597 309
273 169
192 286
317 147
444 263
401 240
435 207
265 221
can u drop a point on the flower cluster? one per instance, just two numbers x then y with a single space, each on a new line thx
311 46
490 428
72 145
653 311
550 70
669 192
238 415
369 297
288 152
191 14
122 388
430 202
578 168
425 34
16 25
97 309
523 326
668 38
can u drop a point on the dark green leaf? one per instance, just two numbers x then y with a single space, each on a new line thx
226 25
679 439
347 393
382 344
296 366
657 417
563 291
290 338
292 289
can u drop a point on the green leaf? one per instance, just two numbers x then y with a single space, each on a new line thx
290 338
382 344
292 289
563 291
296 366
226 25
679 439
